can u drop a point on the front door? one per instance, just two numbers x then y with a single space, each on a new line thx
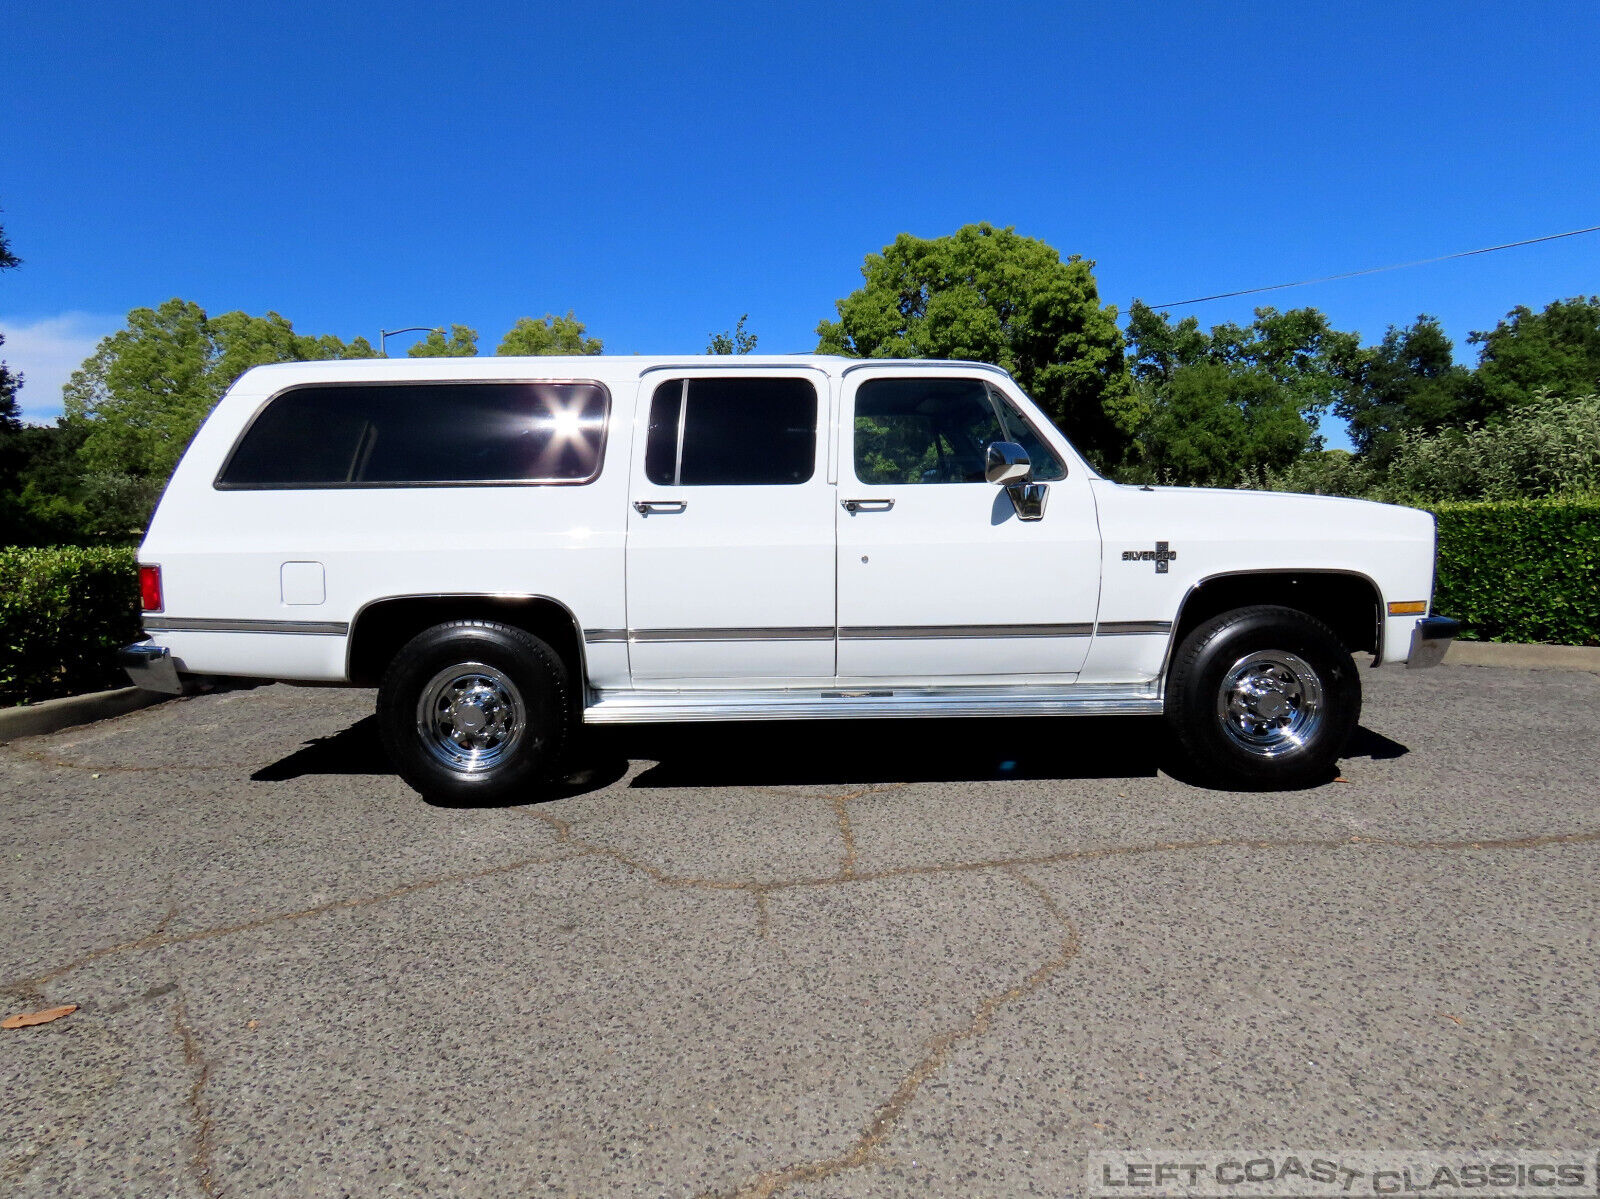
940 581
730 555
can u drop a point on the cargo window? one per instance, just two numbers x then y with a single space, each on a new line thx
407 435
732 432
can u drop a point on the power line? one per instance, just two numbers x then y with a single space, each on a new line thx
1375 270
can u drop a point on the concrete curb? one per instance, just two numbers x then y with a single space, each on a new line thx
1526 657
52 715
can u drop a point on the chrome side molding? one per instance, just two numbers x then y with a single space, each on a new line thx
155 623
789 703
899 632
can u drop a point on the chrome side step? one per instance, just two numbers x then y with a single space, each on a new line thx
824 703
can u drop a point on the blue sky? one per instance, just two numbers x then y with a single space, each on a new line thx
663 169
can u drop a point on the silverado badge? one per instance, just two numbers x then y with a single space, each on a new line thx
1161 555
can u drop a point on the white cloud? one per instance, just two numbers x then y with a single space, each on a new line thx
46 352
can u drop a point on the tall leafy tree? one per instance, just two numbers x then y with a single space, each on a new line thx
1409 382
11 431
462 343
1211 407
733 341
552 335
144 391
10 414
37 467
991 295
1556 351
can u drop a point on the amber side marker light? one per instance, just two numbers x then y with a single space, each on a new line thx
150 588
1409 608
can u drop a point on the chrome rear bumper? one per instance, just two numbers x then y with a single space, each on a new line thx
1430 639
151 667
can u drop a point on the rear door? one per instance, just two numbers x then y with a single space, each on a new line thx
730 558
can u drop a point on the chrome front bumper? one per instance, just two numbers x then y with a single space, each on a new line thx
151 667
1430 639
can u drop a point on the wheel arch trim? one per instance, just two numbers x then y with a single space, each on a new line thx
1197 584
512 596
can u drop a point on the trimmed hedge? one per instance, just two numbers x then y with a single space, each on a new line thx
64 611
1521 570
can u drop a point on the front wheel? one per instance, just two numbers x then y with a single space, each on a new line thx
1263 698
476 712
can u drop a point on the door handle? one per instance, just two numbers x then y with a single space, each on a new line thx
649 507
867 505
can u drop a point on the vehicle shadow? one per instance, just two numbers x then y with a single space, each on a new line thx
832 753
890 751
1364 743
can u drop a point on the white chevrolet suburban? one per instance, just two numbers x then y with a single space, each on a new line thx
509 547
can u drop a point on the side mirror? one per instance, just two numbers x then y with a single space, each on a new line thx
1006 463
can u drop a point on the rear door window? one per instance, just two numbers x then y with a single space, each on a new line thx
733 431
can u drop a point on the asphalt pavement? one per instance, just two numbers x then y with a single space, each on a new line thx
882 959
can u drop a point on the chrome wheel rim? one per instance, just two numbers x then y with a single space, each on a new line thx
470 717
1270 702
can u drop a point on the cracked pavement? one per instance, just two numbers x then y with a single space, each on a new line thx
888 958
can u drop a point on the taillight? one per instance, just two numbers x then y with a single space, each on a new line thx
150 588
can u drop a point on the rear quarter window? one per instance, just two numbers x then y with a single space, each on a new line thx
422 434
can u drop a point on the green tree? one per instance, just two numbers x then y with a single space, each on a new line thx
462 343
552 335
1556 351
1409 382
989 295
1212 407
733 341
12 448
10 414
144 391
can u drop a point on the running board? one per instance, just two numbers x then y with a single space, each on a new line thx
792 703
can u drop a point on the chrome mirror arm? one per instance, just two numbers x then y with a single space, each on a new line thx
1028 499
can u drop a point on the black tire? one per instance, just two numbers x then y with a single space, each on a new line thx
1263 698
499 713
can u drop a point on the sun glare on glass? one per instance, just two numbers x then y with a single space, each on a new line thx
562 422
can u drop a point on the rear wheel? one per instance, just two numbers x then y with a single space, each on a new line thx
1263 697
475 712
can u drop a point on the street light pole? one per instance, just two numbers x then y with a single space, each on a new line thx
385 334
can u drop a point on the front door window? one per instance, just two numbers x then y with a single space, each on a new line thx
937 431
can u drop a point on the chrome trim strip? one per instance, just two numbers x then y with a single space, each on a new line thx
469 596
827 633
210 624
944 364
1378 613
705 370
1132 628
701 635
683 423
930 632
1063 699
